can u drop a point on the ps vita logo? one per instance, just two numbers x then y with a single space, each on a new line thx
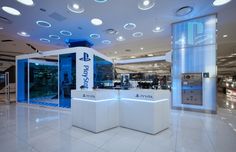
88 96
144 96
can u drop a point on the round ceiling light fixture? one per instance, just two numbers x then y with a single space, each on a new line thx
95 36
11 10
111 31
157 29
137 34
26 2
120 38
75 8
220 2
184 11
96 21
44 40
146 4
130 26
43 24
101 1
24 34
65 33
1 28
54 37
107 42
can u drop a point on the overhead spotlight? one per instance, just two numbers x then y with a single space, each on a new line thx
96 21
106 42
184 11
75 8
1 28
146 4
220 2
120 38
157 29
26 2
133 57
137 34
24 34
95 36
130 26
141 48
11 10
224 36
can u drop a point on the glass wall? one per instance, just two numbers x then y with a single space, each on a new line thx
103 73
22 81
43 83
67 82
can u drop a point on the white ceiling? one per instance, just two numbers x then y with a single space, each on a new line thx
114 13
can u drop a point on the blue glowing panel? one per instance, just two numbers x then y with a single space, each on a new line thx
194 51
22 81
67 78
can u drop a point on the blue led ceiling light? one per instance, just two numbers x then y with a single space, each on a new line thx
54 37
44 40
43 24
101 1
130 26
137 34
65 33
95 36
107 42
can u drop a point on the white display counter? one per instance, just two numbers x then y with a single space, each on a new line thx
145 110
95 110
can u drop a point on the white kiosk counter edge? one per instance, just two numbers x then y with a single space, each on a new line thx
142 110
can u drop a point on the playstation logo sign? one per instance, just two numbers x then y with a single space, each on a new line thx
85 57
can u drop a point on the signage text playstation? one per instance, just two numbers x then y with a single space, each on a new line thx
85 74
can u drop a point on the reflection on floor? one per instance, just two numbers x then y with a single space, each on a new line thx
36 129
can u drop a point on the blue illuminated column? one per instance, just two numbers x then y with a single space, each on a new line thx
194 51
22 81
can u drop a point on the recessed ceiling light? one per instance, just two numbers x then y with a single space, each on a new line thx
95 36
150 55
120 38
24 34
133 57
65 33
224 36
220 2
130 26
96 21
137 34
116 52
157 29
111 31
43 24
45 40
26 2
11 10
54 37
1 28
106 42
184 11
146 4
101 1
141 48
75 8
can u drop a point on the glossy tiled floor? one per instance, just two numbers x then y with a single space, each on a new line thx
26 128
